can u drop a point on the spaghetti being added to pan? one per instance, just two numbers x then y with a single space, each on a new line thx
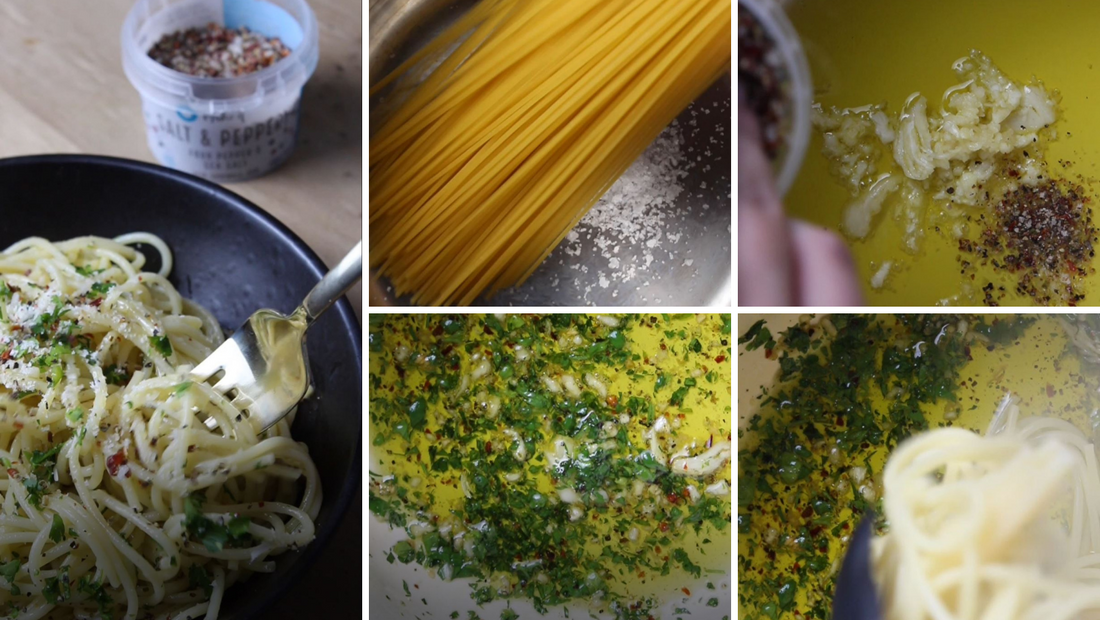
1005 525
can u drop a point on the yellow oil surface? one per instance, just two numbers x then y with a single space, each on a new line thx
1042 368
864 52
676 350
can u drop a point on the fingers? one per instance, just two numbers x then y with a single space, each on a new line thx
764 266
755 186
824 273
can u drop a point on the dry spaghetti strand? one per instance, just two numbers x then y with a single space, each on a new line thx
519 118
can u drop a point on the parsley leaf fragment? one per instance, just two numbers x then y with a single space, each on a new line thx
57 529
161 344
197 577
213 535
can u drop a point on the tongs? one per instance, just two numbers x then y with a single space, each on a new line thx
855 597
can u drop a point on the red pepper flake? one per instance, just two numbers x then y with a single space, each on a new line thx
612 401
763 79
664 528
719 359
1042 234
115 461
488 447
13 473
686 591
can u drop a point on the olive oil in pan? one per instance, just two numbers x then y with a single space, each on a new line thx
802 492
863 52
532 455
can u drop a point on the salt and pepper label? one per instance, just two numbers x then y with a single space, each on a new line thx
226 147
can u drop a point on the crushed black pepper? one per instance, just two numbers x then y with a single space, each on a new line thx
761 77
218 52
1044 235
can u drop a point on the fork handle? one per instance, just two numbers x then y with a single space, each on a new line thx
335 283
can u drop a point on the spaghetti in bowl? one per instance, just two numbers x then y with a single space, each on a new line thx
128 490
231 258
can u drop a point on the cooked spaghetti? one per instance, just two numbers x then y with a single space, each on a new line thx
513 122
1001 526
127 490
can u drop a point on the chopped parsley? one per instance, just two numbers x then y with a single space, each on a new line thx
41 464
58 589
98 595
35 489
757 336
161 344
116 375
86 271
10 569
99 290
477 403
57 529
213 535
197 577
48 322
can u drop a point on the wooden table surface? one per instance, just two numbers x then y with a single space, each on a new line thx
62 90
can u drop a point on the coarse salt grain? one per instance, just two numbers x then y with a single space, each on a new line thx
641 210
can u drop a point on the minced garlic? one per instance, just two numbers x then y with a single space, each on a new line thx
957 154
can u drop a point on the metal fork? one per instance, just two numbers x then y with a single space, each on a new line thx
264 362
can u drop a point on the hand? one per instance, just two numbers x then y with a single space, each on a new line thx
782 261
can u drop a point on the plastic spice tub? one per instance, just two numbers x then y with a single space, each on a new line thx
222 129
795 83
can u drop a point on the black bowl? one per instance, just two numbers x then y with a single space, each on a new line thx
233 258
